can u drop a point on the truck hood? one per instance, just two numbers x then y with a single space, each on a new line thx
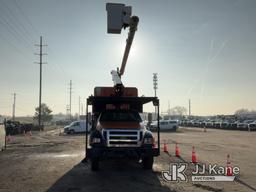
118 125
66 127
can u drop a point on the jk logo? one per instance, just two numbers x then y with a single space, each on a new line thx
176 172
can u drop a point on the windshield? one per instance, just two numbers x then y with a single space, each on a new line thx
120 116
73 123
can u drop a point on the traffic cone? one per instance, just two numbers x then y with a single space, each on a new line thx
177 150
29 134
229 167
194 159
165 147
8 138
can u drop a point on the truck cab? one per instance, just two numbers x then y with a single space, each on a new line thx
117 129
121 128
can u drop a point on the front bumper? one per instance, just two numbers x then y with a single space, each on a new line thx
66 130
121 152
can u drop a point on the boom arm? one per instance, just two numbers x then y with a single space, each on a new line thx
133 27
119 16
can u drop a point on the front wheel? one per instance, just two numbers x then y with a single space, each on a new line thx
94 164
147 162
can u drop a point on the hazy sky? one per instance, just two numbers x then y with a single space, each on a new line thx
204 50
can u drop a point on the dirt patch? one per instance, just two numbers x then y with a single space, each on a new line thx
208 188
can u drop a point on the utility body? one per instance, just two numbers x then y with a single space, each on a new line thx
117 128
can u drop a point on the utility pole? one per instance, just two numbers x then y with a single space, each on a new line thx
70 99
155 88
40 78
155 83
82 109
79 103
67 111
169 108
13 106
189 108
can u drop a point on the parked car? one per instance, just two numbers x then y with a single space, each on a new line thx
197 123
12 127
244 125
191 123
77 127
234 125
225 125
209 124
185 123
145 123
217 124
252 126
171 125
203 123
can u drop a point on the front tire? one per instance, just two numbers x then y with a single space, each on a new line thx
94 164
147 162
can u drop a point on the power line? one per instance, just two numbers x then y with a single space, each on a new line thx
16 21
40 80
12 45
15 30
14 33
26 18
22 110
57 66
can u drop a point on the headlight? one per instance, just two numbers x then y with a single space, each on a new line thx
96 140
148 140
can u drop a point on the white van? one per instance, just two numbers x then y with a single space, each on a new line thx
77 127
171 125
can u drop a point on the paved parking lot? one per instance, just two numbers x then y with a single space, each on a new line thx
48 161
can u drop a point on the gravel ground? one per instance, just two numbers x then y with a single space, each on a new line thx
47 161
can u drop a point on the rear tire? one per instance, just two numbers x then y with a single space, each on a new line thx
147 162
94 164
72 132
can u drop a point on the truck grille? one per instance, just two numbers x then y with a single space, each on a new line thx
123 138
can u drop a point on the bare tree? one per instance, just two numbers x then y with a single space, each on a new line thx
178 110
45 113
240 112
245 112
